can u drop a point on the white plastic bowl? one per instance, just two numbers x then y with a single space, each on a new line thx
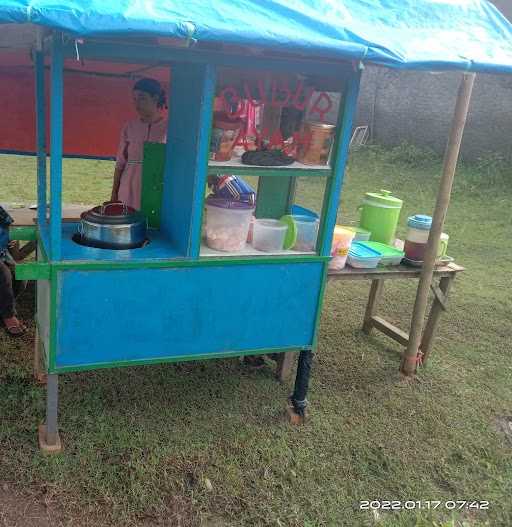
268 235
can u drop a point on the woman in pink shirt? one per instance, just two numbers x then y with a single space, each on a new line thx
151 126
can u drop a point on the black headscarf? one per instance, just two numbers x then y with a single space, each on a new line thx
153 88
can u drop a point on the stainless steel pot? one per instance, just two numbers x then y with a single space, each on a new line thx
112 225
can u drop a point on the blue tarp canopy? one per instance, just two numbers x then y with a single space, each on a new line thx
416 34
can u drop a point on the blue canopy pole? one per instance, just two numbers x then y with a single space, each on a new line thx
56 122
341 157
40 138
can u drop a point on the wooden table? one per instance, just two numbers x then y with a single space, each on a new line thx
27 217
442 282
24 216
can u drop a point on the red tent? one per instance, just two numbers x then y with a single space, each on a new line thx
97 102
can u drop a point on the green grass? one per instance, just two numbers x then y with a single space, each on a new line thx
206 443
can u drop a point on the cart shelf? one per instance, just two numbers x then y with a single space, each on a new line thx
248 251
160 248
297 169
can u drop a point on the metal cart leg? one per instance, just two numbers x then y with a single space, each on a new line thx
49 439
438 306
371 308
39 374
298 401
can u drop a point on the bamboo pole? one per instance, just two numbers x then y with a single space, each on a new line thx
409 360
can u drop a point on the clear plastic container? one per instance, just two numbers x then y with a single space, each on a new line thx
390 255
227 224
341 241
268 235
307 233
363 257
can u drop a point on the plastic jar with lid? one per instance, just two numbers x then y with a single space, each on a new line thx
227 224
224 134
418 230
317 144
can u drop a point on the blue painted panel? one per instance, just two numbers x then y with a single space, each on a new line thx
143 314
192 92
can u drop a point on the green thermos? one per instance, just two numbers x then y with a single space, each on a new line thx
380 212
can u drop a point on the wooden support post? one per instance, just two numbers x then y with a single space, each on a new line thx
371 308
435 313
409 360
284 365
390 330
439 296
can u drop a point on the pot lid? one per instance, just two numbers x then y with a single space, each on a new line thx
383 197
420 221
113 214
223 203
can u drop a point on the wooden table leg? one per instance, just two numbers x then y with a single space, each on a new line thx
373 301
437 308
284 365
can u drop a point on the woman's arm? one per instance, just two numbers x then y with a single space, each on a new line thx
121 159
117 181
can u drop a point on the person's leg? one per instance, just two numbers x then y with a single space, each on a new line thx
7 306
18 286
6 292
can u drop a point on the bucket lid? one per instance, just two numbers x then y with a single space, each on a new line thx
383 197
297 210
222 203
300 218
420 221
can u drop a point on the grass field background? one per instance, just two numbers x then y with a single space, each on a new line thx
206 443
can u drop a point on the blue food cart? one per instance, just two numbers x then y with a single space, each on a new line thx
175 299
